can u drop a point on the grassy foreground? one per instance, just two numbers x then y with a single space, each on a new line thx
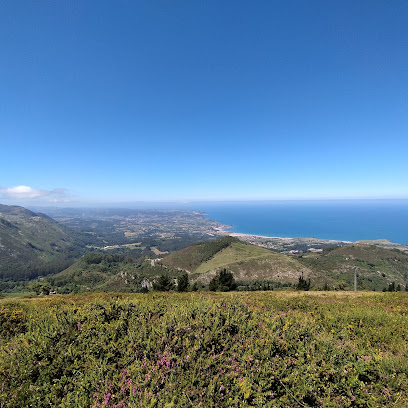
261 349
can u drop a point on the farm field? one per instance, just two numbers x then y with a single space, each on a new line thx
236 349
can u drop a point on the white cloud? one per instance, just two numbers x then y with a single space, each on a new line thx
26 192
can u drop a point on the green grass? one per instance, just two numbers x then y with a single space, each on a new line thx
192 257
234 253
250 263
269 349
276 267
17 294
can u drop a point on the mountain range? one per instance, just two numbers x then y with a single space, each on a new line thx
253 267
333 268
33 244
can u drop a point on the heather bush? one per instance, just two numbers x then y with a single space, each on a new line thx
237 349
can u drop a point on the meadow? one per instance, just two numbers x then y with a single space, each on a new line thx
202 349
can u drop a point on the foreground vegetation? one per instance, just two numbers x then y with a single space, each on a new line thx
235 349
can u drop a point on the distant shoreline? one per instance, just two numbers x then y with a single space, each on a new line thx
242 235
327 221
311 242
224 230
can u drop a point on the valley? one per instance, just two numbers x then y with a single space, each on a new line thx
82 250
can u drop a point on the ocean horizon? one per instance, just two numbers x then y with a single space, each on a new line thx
340 220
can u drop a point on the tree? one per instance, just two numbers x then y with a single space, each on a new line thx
40 288
303 284
223 281
213 286
182 282
163 284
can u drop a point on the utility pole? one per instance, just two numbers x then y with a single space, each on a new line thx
355 278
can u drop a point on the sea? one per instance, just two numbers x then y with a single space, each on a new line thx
343 220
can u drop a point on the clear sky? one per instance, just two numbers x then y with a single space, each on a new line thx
121 101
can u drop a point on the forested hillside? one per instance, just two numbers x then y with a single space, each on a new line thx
33 244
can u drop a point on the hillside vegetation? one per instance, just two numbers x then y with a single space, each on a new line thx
248 262
124 249
32 244
262 349
253 267
106 272
195 255
333 268
376 267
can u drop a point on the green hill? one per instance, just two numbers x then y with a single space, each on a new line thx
109 272
192 257
247 262
32 244
333 268
376 267
251 265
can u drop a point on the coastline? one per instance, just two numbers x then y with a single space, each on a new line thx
334 221
223 229
303 244
282 244
242 235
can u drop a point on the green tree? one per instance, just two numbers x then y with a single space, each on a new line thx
303 284
213 286
40 288
224 281
163 284
182 282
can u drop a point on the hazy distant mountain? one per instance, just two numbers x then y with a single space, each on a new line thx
32 244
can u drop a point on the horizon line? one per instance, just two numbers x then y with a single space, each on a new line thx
102 204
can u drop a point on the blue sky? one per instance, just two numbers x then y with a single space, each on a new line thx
104 102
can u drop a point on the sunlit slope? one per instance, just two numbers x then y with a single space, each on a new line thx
236 252
334 268
195 255
376 267
248 263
